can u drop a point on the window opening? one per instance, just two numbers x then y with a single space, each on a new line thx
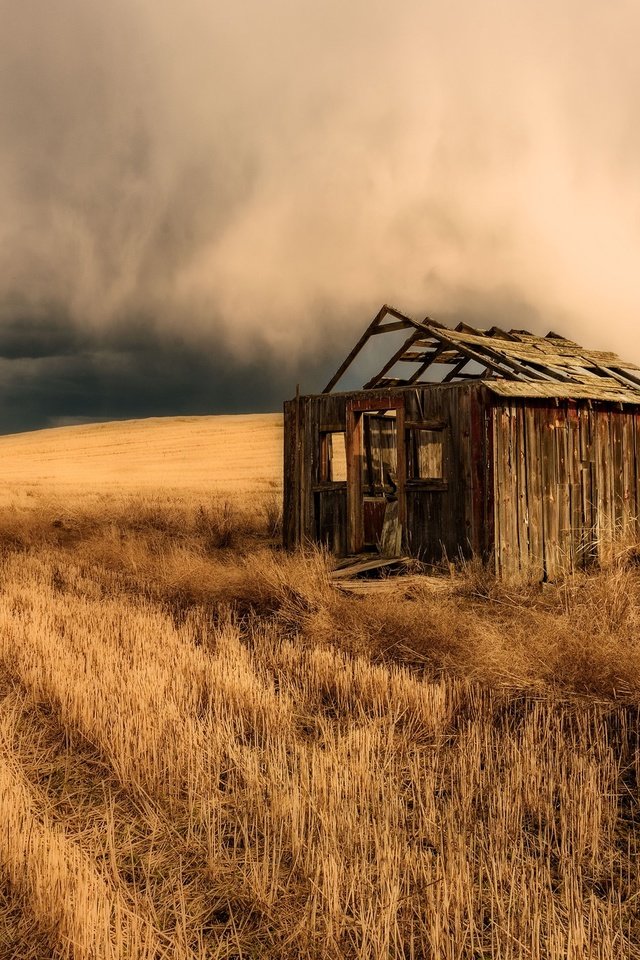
333 457
380 461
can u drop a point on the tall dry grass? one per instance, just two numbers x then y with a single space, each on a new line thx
208 751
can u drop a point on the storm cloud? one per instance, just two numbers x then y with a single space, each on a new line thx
199 196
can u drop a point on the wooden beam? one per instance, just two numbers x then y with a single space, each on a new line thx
376 403
499 334
346 363
467 328
626 374
389 327
533 368
472 354
426 424
624 378
456 370
394 359
449 356
427 363
371 330
376 327
298 473
441 348
354 451
551 371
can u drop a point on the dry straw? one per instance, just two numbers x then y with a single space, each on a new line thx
206 751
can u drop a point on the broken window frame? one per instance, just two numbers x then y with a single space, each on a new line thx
327 460
414 479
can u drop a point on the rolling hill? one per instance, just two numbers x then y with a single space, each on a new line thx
224 453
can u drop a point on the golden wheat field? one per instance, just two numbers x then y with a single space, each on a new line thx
232 455
207 751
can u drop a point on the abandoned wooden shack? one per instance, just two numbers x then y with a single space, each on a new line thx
521 449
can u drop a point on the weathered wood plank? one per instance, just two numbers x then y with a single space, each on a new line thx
575 483
589 534
331 518
355 566
520 474
544 417
602 492
564 496
634 425
627 460
501 499
464 505
509 506
354 447
534 492
290 504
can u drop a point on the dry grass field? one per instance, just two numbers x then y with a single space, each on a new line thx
207 751
232 455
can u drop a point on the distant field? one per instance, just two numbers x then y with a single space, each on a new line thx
230 454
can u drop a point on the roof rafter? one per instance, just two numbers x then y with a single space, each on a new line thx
515 356
375 327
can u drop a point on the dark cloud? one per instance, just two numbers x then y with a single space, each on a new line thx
54 373
28 333
137 374
202 203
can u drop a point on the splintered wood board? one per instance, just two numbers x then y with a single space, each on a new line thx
404 585
353 567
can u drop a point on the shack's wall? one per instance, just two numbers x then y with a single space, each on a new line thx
455 516
312 511
566 483
458 519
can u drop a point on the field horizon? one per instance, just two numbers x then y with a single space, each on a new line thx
219 451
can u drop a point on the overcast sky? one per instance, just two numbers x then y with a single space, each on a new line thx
203 203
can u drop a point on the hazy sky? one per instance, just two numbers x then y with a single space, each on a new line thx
194 192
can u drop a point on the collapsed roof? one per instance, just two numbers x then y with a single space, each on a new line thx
513 363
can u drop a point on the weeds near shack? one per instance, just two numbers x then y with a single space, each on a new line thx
272 512
207 751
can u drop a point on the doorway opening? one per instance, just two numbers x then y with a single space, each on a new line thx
376 473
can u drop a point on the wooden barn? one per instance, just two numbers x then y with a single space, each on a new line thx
521 449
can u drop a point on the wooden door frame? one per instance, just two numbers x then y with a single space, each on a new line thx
354 440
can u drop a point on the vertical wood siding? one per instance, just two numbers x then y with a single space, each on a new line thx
453 517
537 487
313 511
565 484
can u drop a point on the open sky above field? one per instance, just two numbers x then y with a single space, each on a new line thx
204 203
